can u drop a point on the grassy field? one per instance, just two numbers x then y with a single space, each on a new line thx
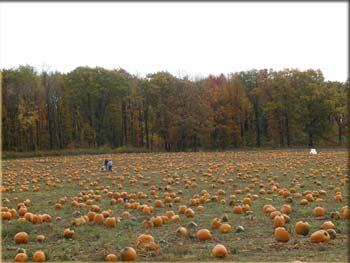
213 182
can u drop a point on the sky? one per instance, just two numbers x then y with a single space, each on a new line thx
194 39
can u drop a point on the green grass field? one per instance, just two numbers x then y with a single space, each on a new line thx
46 180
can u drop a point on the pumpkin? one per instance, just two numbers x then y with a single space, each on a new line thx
281 234
189 212
40 238
278 221
182 231
176 218
237 209
346 213
146 241
111 222
21 238
319 211
68 233
111 258
99 219
302 228
304 202
204 234
39 256
21 257
128 254
219 251
320 236
170 214
182 209
225 228
216 223
327 225
274 214
286 209
157 221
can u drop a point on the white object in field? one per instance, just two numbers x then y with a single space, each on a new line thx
313 151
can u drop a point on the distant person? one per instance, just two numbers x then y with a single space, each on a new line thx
104 166
313 151
109 165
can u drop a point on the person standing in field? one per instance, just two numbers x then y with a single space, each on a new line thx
109 165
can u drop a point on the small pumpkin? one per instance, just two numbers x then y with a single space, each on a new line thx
21 257
225 228
68 233
39 256
111 258
286 209
320 236
111 222
278 221
319 211
215 223
182 231
99 219
128 254
237 209
219 251
40 238
21 238
302 228
328 225
281 234
204 234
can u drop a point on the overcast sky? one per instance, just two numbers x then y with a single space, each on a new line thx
183 38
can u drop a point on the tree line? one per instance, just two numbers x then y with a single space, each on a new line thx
96 107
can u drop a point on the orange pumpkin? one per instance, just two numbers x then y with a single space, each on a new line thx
328 225
225 228
99 219
111 258
320 236
146 241
286 209
216 223
68 233
182 231
21 257
319 211
189 212
219 251
302 228
128 254
281 234
111 222
204 234
21 238
39 256
40 238
237 209
278 221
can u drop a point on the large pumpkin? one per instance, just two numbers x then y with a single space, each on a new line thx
219 251
204 234
302 228
320 236
128 254
21 238
39 256
281 234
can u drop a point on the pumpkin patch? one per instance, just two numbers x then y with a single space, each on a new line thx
162 206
